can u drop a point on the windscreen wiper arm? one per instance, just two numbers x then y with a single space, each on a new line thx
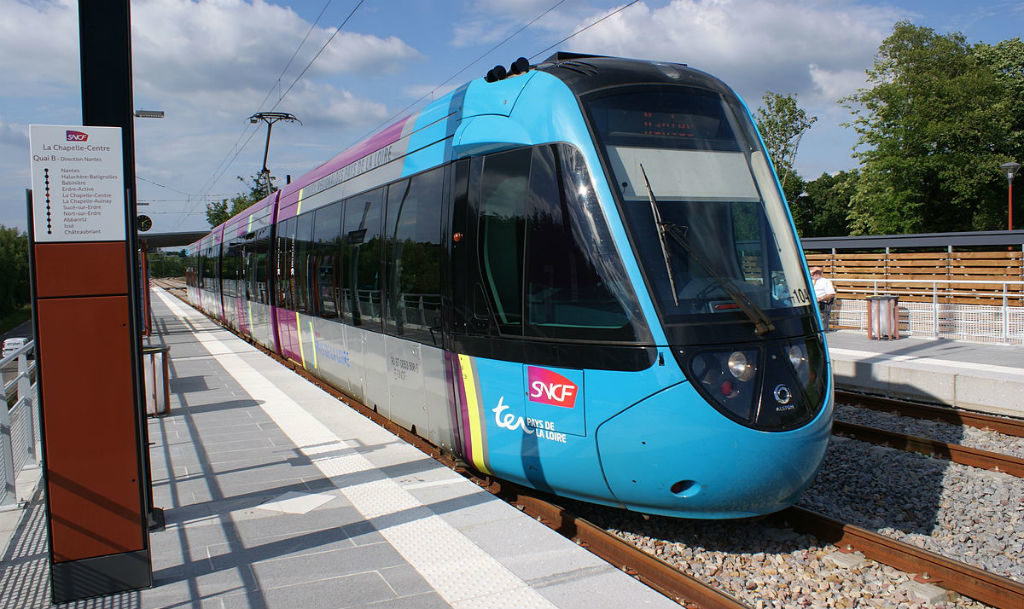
661 236
762 324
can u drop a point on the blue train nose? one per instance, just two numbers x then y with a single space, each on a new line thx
675 455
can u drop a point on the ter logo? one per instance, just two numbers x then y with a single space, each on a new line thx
76 136
551 388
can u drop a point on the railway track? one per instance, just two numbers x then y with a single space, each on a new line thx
956 453
964 455
991 589
934 412
988 588
169 284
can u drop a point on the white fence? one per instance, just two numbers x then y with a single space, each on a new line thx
1000 324
20 447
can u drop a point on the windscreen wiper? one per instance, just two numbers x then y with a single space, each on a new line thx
661 236
762 324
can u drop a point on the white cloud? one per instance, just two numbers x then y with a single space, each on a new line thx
834 84
13 135
753 45
208 64
39 44
223 45
328 106
491 21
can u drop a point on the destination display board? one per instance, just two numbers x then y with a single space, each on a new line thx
77 183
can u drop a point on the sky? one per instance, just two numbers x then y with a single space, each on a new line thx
210 64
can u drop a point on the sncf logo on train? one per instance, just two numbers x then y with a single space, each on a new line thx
547 387
76 136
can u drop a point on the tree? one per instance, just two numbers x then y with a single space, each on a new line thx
166 264
931 128
823 208
1006 60
14 288
793 185
782 123
219 212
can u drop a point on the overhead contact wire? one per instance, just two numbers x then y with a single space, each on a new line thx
218 173
577 32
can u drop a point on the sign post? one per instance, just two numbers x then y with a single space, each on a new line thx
96 469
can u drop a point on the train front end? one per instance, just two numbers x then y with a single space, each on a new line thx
712 246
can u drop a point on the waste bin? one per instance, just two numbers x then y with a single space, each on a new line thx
883 317
155 366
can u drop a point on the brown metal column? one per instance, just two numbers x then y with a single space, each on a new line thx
86 297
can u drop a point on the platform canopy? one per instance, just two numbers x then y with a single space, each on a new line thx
154 241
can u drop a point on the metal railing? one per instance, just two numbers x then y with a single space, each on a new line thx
20 446
933 313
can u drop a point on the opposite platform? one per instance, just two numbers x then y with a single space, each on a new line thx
987 378
277 495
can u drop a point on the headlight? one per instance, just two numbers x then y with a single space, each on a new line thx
801 365
771 385
740 367
730 378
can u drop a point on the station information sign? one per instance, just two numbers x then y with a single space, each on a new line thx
77 183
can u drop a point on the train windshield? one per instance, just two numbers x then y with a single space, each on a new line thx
690 158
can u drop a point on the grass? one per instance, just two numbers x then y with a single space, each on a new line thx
15 318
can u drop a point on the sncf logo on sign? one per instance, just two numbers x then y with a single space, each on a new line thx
76 136
547 387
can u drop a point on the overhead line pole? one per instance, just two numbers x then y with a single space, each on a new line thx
270 118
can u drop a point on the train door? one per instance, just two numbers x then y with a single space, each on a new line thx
284 314
486 343
361 314
303 293
416 384
530 308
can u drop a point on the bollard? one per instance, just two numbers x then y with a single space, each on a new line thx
883 317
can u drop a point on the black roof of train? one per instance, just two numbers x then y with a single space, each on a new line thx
586 74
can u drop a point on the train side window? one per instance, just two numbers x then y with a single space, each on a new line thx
501 232
327 260
576 286
414 258
246 281
362 259
222 261
210 269
230 268
203 273
256 276
303 263
225 288
285 273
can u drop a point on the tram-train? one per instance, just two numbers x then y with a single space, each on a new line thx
580 276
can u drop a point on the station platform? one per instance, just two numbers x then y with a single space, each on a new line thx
277 495
981 377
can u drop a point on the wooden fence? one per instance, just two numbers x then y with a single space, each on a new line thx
955 277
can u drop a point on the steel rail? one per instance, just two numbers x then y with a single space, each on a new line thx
989 588
946 414
647 568
964 455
